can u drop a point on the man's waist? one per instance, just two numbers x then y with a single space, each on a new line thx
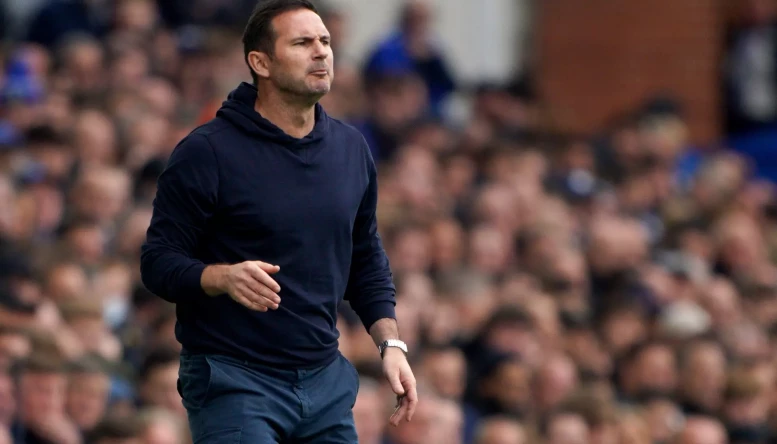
260 350
265 364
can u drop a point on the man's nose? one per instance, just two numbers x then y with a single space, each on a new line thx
320 50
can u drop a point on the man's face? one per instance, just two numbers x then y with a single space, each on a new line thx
509 387
704 377
66 282
656 369
489 249
557 379
447 372
42 395
87 398
303 63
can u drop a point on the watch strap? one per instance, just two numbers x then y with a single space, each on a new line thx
392 343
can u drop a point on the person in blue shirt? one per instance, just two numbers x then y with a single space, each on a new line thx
263 223
411 46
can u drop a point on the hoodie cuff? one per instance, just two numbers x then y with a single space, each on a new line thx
191 282
376 311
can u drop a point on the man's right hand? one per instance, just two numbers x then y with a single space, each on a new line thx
248 283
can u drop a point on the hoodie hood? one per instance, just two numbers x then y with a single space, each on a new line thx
239 110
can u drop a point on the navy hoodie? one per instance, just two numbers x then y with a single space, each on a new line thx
239 188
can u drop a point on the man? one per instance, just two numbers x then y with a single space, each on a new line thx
88 392
41 390
264 220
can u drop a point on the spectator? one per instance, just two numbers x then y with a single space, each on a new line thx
555 381
412 45
445 370
42 388
87 393
702 378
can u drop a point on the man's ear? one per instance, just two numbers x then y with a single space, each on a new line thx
259 63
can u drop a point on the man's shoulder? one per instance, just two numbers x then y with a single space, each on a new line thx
199 142
203 136
347 131
211 128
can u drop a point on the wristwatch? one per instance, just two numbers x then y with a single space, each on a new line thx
392 343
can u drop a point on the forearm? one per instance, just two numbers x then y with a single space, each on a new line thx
213 280
384 329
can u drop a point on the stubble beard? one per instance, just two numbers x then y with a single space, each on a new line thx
301 89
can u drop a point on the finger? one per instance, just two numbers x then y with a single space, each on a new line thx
412 401
260 275
251 304
260 299
260 292
261 289
268 268
396 418
396 385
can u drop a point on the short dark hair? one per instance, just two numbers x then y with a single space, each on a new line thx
90 364
259 34
39 363
44 135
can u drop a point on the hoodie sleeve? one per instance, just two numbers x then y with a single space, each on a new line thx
186 195
370 290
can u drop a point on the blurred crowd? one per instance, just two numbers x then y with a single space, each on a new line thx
553 288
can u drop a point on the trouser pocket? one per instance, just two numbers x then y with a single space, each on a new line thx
195 381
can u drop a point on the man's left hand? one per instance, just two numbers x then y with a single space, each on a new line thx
397 371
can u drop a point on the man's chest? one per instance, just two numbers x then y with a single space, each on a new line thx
282 195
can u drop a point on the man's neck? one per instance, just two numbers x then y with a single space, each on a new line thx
295 119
